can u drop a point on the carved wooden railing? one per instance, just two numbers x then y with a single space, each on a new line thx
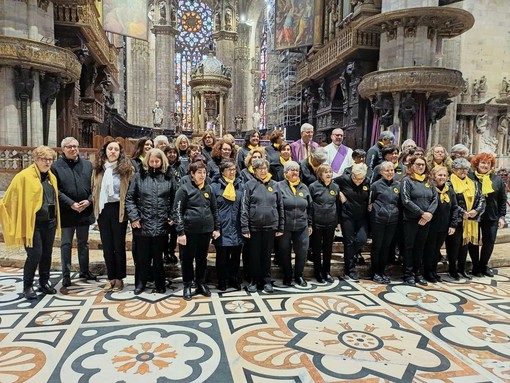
348 41
91 110
83 14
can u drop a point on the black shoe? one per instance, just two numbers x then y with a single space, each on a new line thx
234 284
88 276
410 281
268 288
29 293
252 287
329 278
353 276
378 278
66 281
488 272
319 278
173 259
465 274
204 290
159 290
420 280
288 282
139 289
430 278
437 277
186 294
454 276
386 279
222 285
166 259
48 289
476 273
301 282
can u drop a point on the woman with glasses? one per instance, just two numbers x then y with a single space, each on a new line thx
221 151
471 205
419 200
207 142
262 219
390 153
111 176
29 214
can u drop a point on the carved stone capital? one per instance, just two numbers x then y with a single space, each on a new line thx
39 56
432 80
164 30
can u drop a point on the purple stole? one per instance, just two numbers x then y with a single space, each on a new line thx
339 158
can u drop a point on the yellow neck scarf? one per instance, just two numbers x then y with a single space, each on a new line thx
250 169
276 145
395 165
283 161
230 191
268 177
466 186
327 182
310 163
201 186
293 185
252 147
419 177
485 179
443 194
381 143
437 164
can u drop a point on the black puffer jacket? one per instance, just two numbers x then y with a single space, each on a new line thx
478 204
326 204
446 214
195 210
74 185
149 199
417 198
356 206
306 172
385 200
495 202
297 208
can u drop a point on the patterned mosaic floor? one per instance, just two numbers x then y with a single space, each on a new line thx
359 332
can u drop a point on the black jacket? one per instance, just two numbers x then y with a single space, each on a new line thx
356 206
195 210
417 198
495 202
262 207
229 213
478 204
385 200
446 214
149 199
400 172
74 185
297 208
306 172
374 156
326 204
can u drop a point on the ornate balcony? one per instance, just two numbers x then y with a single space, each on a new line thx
91 110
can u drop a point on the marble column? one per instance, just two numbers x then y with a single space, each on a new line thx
165 69
221 120
225 47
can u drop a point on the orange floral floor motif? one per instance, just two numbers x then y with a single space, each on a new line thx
339 332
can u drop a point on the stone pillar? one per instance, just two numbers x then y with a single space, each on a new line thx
317 26
242 60
196 119
202 114
221 120
165 68
225 53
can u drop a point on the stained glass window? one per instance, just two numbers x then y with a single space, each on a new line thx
263 75
194 31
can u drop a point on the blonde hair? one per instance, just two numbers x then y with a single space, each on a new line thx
43 151
259 149
322 169
179 138
359 170
158 153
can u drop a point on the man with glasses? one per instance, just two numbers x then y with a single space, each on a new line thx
75 196
339 155
303 147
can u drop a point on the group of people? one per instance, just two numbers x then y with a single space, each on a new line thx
252 202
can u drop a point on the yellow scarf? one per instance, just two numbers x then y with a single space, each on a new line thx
485 179
293 185
310 163
22 199
395 165
230 191
276 145
436 164
381 144
466 186
283 161
268 177
250 169
443 194
201 186
419 177
251 147
327 182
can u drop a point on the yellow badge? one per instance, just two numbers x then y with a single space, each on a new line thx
301 194
427 185
395 190
399 172
332 192
365 188
206 195
270 189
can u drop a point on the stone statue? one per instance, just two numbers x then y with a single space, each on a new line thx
228 19
481 122
383 108
502 134
407 110
23 83
466 140
217 20
482 86
322 96
256 117
309 100
162 12
436 108
157 115
343 86
476 87
505 86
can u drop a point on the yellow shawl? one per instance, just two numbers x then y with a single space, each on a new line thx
22 200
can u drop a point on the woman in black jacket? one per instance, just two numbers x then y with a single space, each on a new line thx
326 206
228 190
493 218
248 173
384 213
262 219
419 200
443 223
196 218
284 156
297 205
142 147
251 141
471 205
354 193
149 207
222 150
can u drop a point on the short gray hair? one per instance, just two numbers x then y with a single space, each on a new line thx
306 125
290 165
359 170
319 155
259 163
461 163
460 148
386 164
67 140
157 139
386 135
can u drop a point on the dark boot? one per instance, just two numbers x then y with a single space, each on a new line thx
28 292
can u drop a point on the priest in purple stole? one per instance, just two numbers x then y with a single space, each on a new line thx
339 155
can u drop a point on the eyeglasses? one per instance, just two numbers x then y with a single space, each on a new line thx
47 160
418 164
71 147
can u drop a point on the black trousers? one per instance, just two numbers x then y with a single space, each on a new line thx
415 237
40 253
228 259
172 241
382 238
432 251
259 249
113 239
481 256
456 251
299 241
197 246
322 244
150 260
354 237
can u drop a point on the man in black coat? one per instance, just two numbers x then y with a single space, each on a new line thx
76 213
